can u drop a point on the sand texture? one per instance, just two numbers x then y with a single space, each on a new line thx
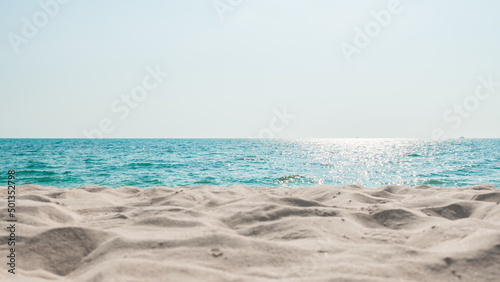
349 233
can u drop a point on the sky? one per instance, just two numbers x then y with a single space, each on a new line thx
240 68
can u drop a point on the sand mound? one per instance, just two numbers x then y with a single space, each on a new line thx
60 250
349 233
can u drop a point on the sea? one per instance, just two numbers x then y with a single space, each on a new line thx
67 163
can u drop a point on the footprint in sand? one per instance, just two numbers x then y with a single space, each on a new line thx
216 252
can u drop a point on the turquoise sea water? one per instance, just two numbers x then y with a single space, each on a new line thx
143 163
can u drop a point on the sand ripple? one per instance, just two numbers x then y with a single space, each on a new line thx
349 233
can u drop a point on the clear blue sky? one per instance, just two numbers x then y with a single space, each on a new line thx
227 76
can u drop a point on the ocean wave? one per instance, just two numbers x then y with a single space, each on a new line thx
206 181
296 178
36 172
433 182
413 155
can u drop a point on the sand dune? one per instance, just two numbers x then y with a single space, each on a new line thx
350 233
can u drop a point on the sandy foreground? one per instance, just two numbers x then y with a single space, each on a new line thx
349 233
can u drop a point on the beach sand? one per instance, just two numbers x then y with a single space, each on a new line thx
349 233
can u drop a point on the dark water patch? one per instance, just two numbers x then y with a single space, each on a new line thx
414 155
433 182
207 181
34 173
